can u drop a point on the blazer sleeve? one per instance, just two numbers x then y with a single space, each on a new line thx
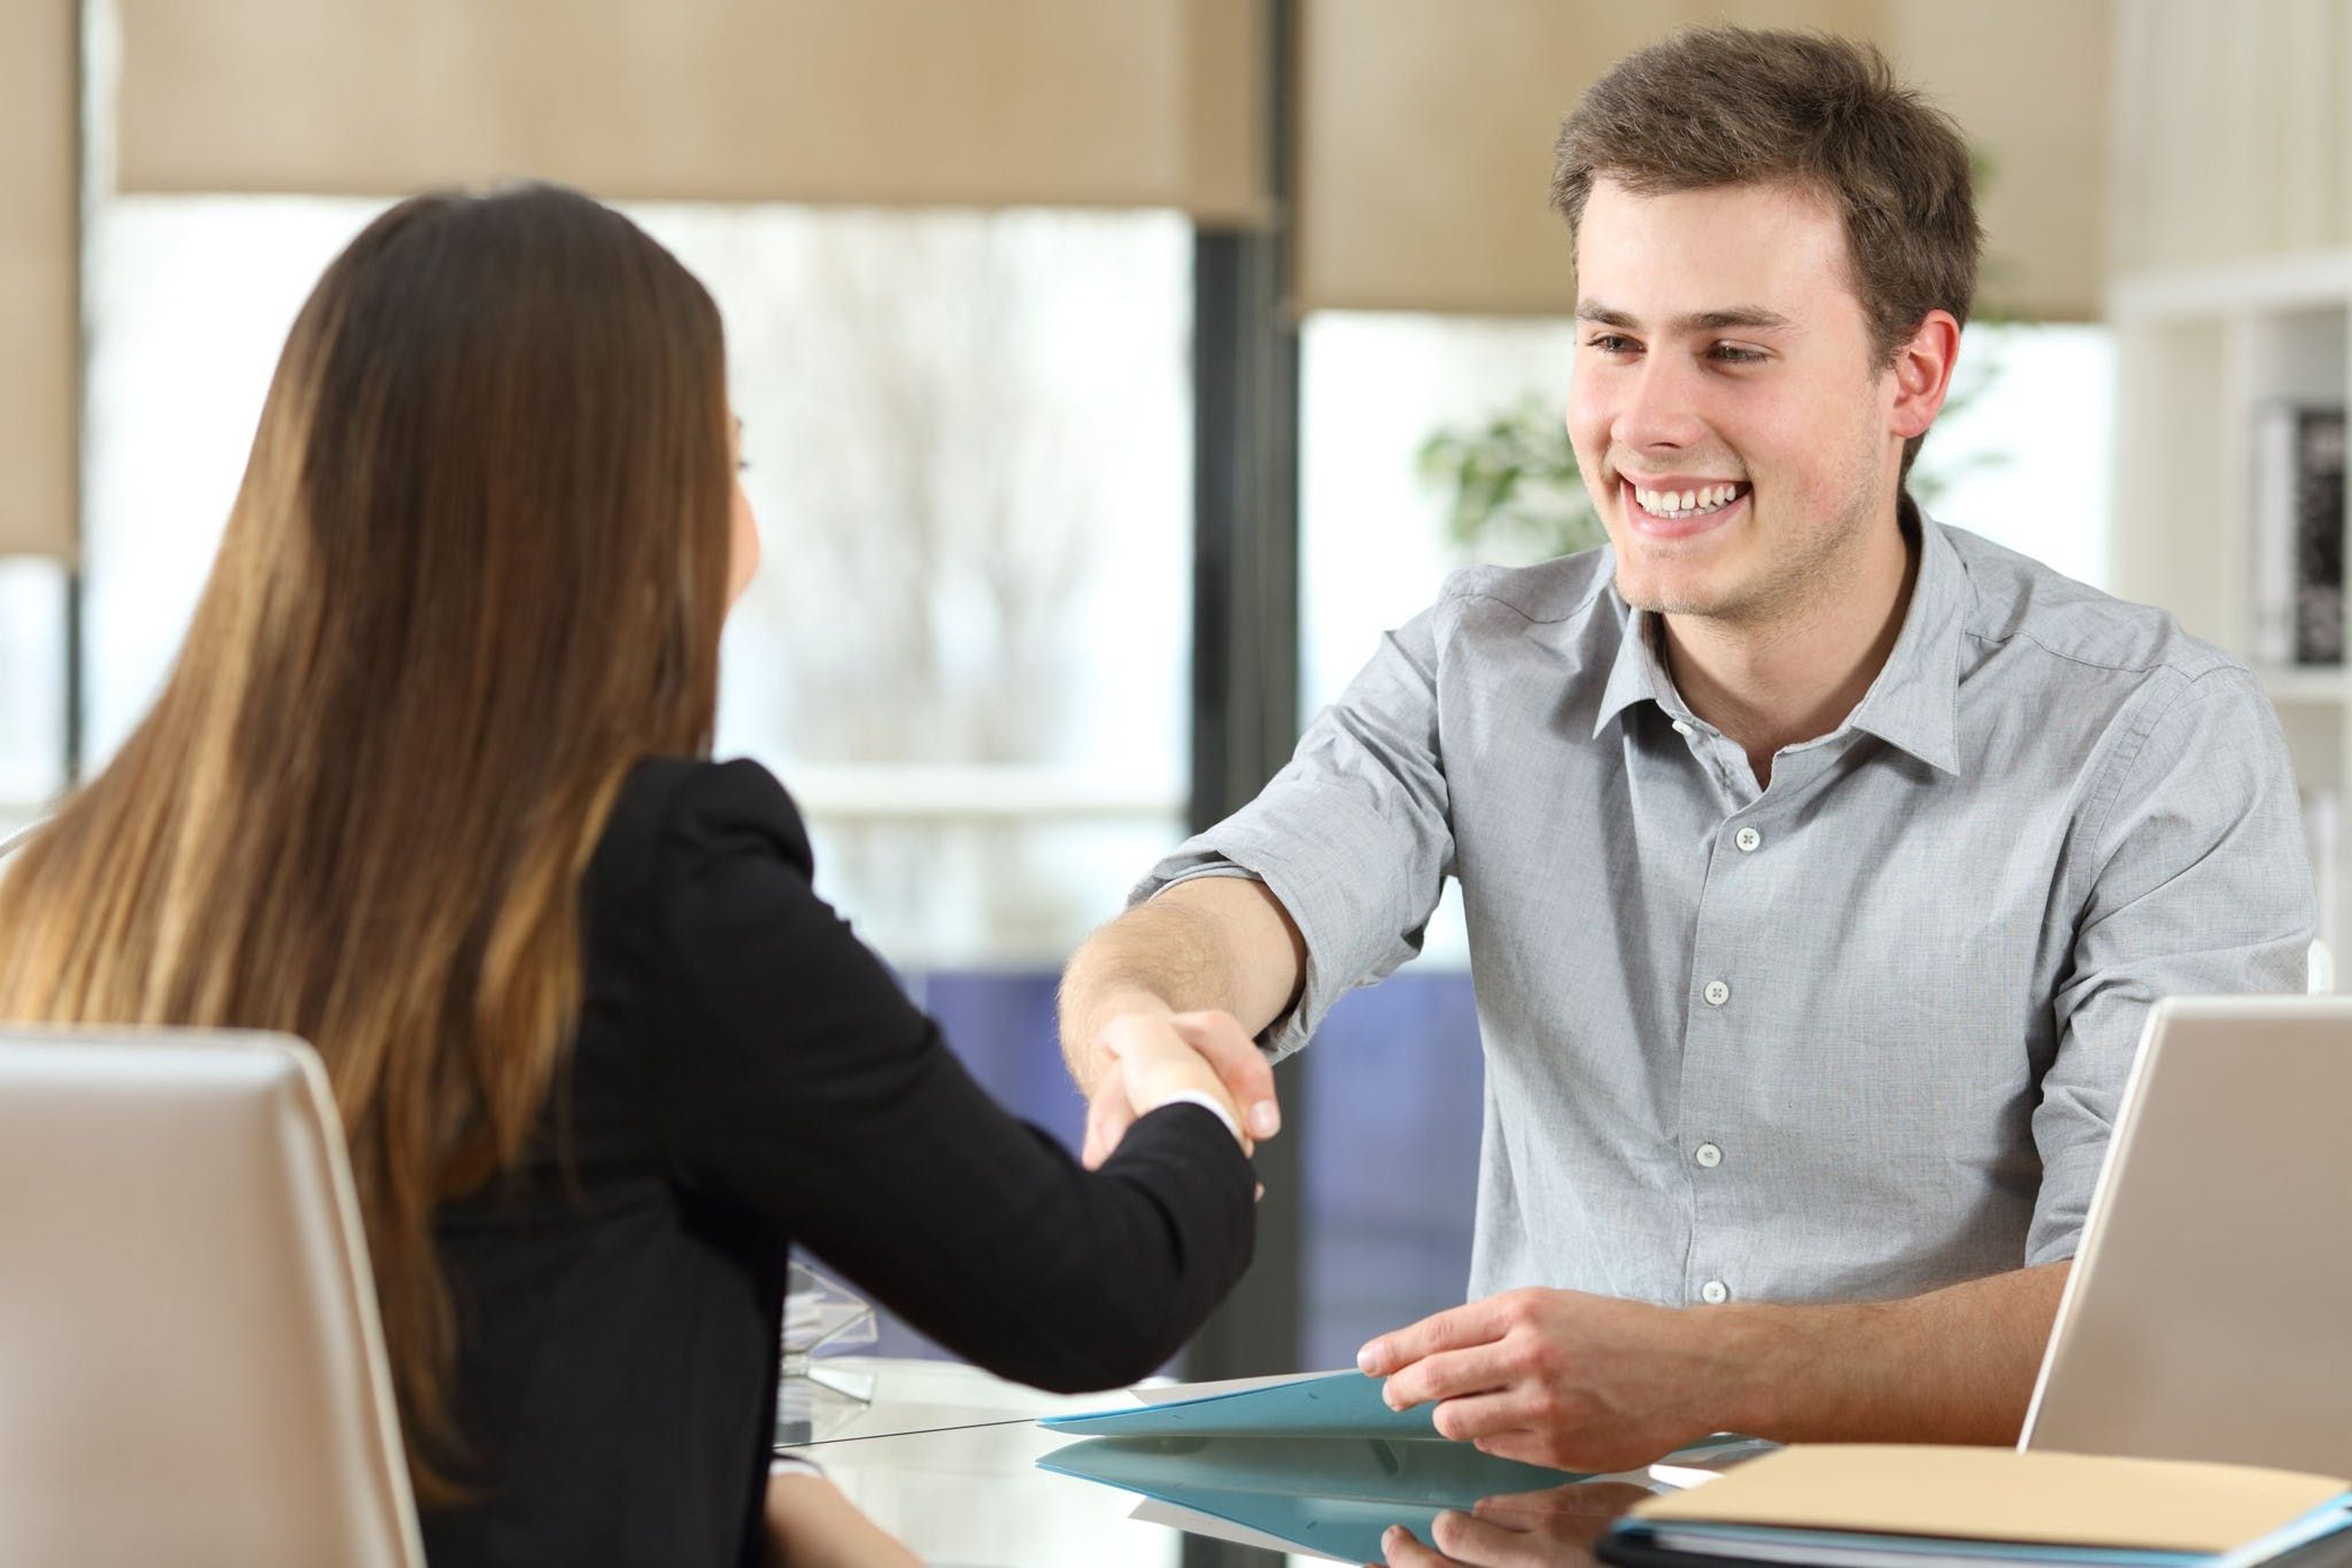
791 1074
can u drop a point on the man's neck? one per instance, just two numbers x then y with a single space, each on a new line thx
1794 675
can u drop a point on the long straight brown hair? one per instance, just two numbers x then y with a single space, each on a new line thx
477 567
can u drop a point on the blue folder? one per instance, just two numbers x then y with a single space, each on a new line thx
1339 1404
1320 1462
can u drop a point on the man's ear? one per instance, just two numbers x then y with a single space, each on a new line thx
1923 373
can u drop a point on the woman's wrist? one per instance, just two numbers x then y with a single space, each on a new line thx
1214 1104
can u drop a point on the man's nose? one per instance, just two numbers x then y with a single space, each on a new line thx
1659 409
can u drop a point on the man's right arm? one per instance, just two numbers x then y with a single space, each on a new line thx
1211 961
1253 929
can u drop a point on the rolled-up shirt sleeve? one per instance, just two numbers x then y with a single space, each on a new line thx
1352 835
2198 884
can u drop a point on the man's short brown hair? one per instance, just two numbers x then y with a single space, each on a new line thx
1737 106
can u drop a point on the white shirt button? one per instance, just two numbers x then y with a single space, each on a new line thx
1716 993
1747 839
1683 729
1715 1292
1707 1154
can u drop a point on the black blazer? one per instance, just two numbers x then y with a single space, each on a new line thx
747 1074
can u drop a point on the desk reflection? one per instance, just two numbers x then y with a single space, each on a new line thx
1520 1529
951 1460
1340 1498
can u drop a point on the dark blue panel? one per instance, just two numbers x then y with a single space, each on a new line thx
1394 1088
1001 1024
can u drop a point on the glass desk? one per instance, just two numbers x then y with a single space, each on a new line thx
946 1457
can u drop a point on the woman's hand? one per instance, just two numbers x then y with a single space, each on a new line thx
1156 1060
811 1525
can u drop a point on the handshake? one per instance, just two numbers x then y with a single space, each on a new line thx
1223 941
1144 1055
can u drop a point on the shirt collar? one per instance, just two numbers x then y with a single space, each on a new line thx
1915 702
1636 673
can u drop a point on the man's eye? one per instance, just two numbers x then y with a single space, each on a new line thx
1732 354
1608 343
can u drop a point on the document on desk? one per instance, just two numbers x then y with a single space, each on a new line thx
1914 1506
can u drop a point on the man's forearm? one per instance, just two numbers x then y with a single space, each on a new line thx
1216 943
1956 1365
1161 951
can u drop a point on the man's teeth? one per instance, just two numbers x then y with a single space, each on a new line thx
1682 503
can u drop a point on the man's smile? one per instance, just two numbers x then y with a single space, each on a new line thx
1674 509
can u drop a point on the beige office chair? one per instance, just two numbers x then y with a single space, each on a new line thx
190 1368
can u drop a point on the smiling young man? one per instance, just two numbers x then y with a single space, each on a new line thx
1820 862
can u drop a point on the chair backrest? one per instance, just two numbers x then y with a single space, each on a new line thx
190 1367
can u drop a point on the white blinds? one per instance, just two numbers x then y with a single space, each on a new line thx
1071 102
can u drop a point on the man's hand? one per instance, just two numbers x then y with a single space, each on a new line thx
1149 1052
1553 1529
1561 1378
1587 1383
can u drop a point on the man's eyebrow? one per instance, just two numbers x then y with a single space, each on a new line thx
1753 318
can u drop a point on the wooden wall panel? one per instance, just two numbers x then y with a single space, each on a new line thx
2029 81
40 326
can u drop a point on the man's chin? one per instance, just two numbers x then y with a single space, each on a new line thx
1674 577
1659 595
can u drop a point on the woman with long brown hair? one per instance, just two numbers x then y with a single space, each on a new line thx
429 787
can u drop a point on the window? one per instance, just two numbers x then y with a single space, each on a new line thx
970 448
2025 456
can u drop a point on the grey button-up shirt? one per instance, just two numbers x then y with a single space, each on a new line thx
1857 1035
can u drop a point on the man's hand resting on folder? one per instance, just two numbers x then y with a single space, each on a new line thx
1587 1383
1559 1378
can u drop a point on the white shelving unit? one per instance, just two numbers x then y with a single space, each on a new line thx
2198 350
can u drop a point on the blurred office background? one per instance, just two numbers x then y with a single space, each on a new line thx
1087 355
